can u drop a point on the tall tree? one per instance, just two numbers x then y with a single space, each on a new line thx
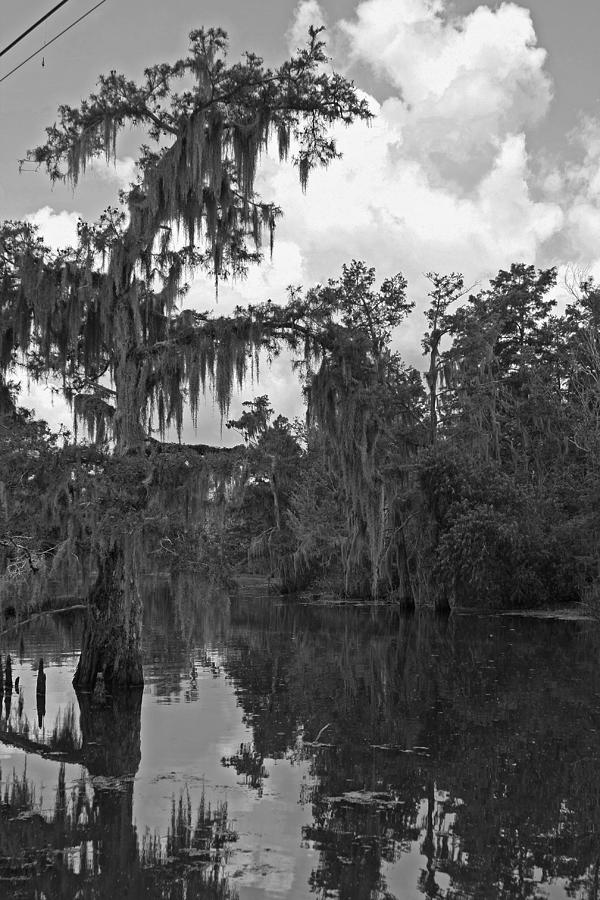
109 305
445 290
366 405
107 308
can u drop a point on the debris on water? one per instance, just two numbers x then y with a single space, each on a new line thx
112 782
324 728
29 814
396 748
258 869
392 748
318 744
367 798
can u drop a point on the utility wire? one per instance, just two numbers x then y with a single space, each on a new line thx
55 38
35 25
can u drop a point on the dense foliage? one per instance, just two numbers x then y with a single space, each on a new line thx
482 490
104 316
475 481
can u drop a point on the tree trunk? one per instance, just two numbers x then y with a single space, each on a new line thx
111 733
432 377
129 433
112 636
111 746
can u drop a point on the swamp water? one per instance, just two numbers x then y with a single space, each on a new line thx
292 751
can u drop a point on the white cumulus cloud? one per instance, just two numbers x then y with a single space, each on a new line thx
120 170
576 181
59 229
463 83
306 13
442 178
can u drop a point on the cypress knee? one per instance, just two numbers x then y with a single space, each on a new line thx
40 693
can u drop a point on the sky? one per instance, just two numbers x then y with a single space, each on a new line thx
484 149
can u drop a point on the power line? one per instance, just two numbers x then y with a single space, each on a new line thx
55 38
35 25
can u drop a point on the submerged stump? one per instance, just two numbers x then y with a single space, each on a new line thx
112 636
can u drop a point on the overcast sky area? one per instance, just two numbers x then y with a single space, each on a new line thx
484 150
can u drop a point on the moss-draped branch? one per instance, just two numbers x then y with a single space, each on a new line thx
107 305
207 138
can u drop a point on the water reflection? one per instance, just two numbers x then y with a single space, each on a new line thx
248 763
472 745
373 757
88 845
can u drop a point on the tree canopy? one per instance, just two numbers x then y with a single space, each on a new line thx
474 482
109 306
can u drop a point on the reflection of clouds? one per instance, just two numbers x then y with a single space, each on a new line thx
61 714
272 828
182 747
374 683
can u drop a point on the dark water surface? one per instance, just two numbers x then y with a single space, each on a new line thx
296 751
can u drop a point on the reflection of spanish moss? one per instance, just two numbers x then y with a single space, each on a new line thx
65 736
249 763
356 833
70 851
469 744
18 795
28 836
207 838
187 613
87 845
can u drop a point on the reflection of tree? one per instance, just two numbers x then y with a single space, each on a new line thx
355 836
88 846
179 615
205 838
469 742
69 853
249 763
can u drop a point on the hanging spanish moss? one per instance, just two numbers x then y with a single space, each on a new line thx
104 309
104 319
370 435
95 414
75 323
338 406
204 183
214 354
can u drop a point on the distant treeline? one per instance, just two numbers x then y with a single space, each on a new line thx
476 483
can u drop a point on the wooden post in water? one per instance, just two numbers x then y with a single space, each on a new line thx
40 693
8 686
